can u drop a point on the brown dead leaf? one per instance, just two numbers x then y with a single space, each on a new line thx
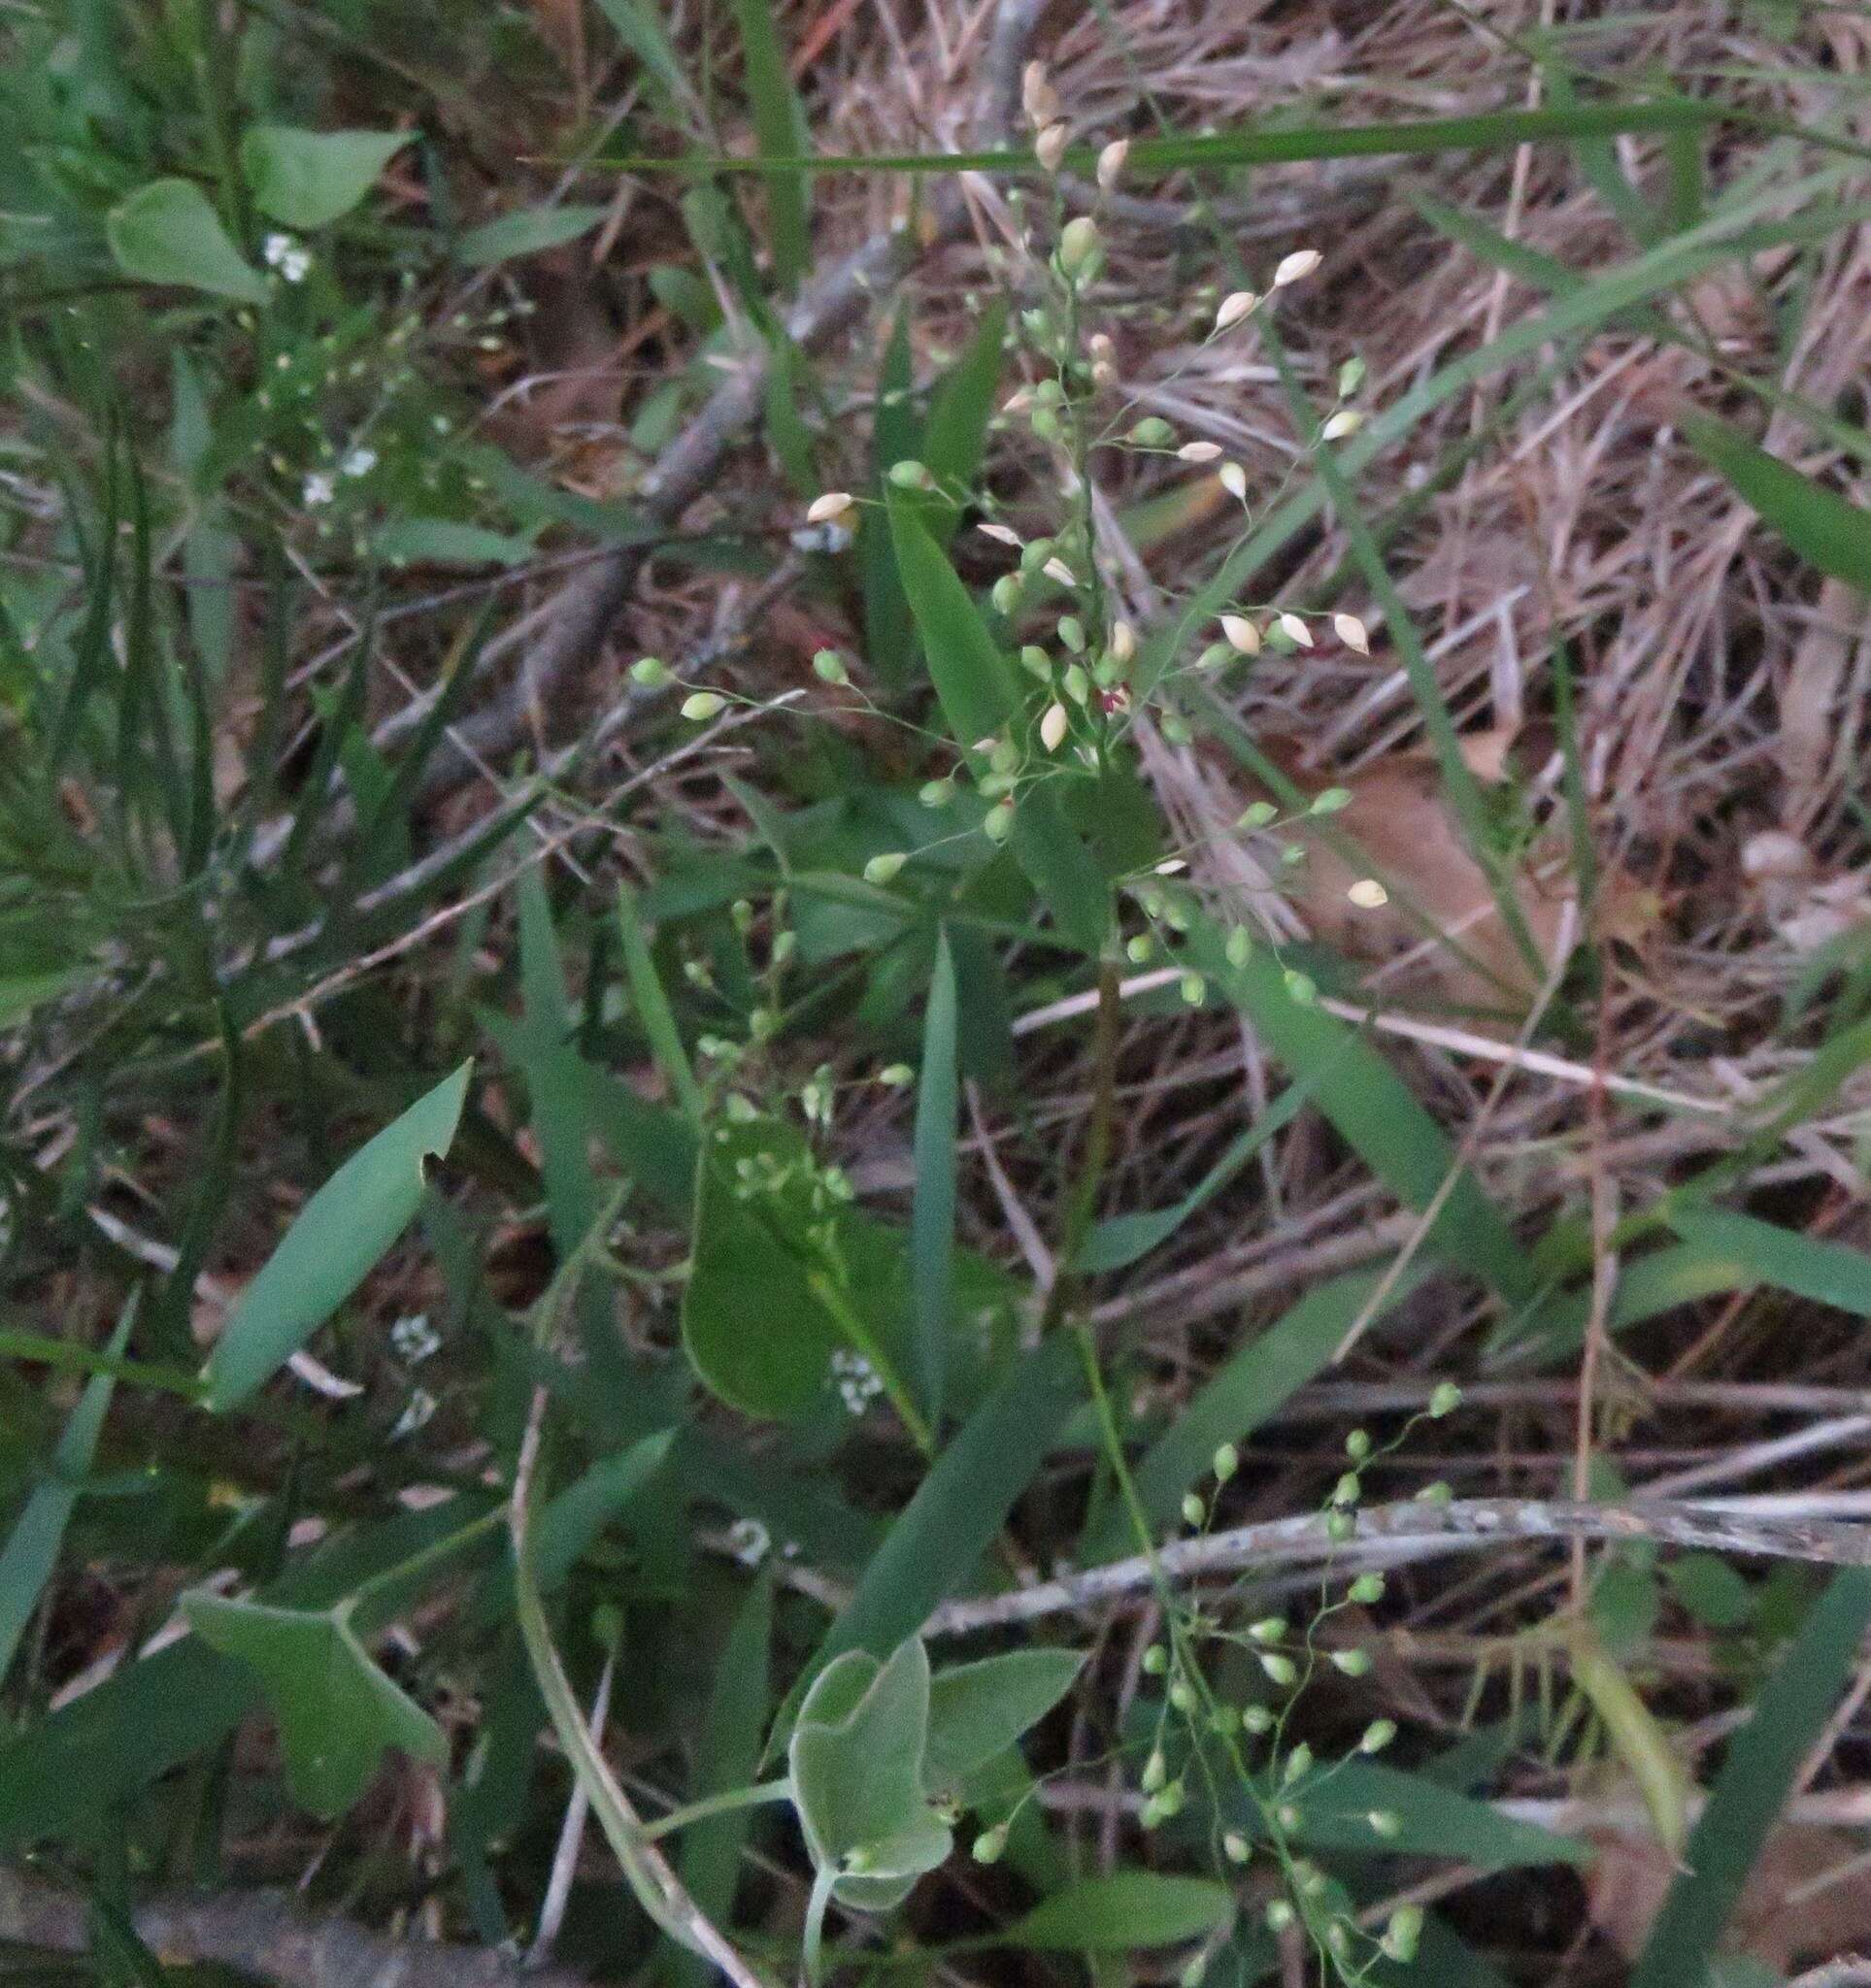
1441 935
1788 1909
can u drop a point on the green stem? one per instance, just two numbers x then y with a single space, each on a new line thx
1083 1207
358 1603
720 1805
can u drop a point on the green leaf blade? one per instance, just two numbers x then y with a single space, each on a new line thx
311 178
332 1245
167 233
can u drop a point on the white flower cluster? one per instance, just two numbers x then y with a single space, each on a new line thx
283 254
413 1338
858 1382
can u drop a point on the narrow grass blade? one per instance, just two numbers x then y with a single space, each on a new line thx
1789 1717
31 1551
932 1212
779 124
1373 1109
653 1011
730 1758
1808 1266
1119 1240
1823 528
896 435
957 1513
1486 131
1253 1386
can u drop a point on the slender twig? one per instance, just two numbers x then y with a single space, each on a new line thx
1388 1534
582 617
571 1834
264 1935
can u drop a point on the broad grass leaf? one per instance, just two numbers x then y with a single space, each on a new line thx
448 541
957 431
974 681
1433 1820
979 1710
960 1508
336 1710
332 1245
310 178
168 232
1130 1908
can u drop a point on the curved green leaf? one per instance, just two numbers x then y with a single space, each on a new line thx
168 232
753 1326
526 232
336 1710
1130 1908
310 178
977 1710
333 1245
856 1764
1823 528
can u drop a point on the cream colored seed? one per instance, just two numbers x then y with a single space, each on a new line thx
1242 634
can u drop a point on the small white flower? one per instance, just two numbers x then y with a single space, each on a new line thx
1295 631
1049 147
283 254
1234 306
361 462
1001 534
1242 634
321 487
833 503
1351 632
1054 727
1110 162
413 1338
1199 451
750 1542
1296 267
1234 480
1368 894
1038 98
1057 569
1346 421
1123 641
